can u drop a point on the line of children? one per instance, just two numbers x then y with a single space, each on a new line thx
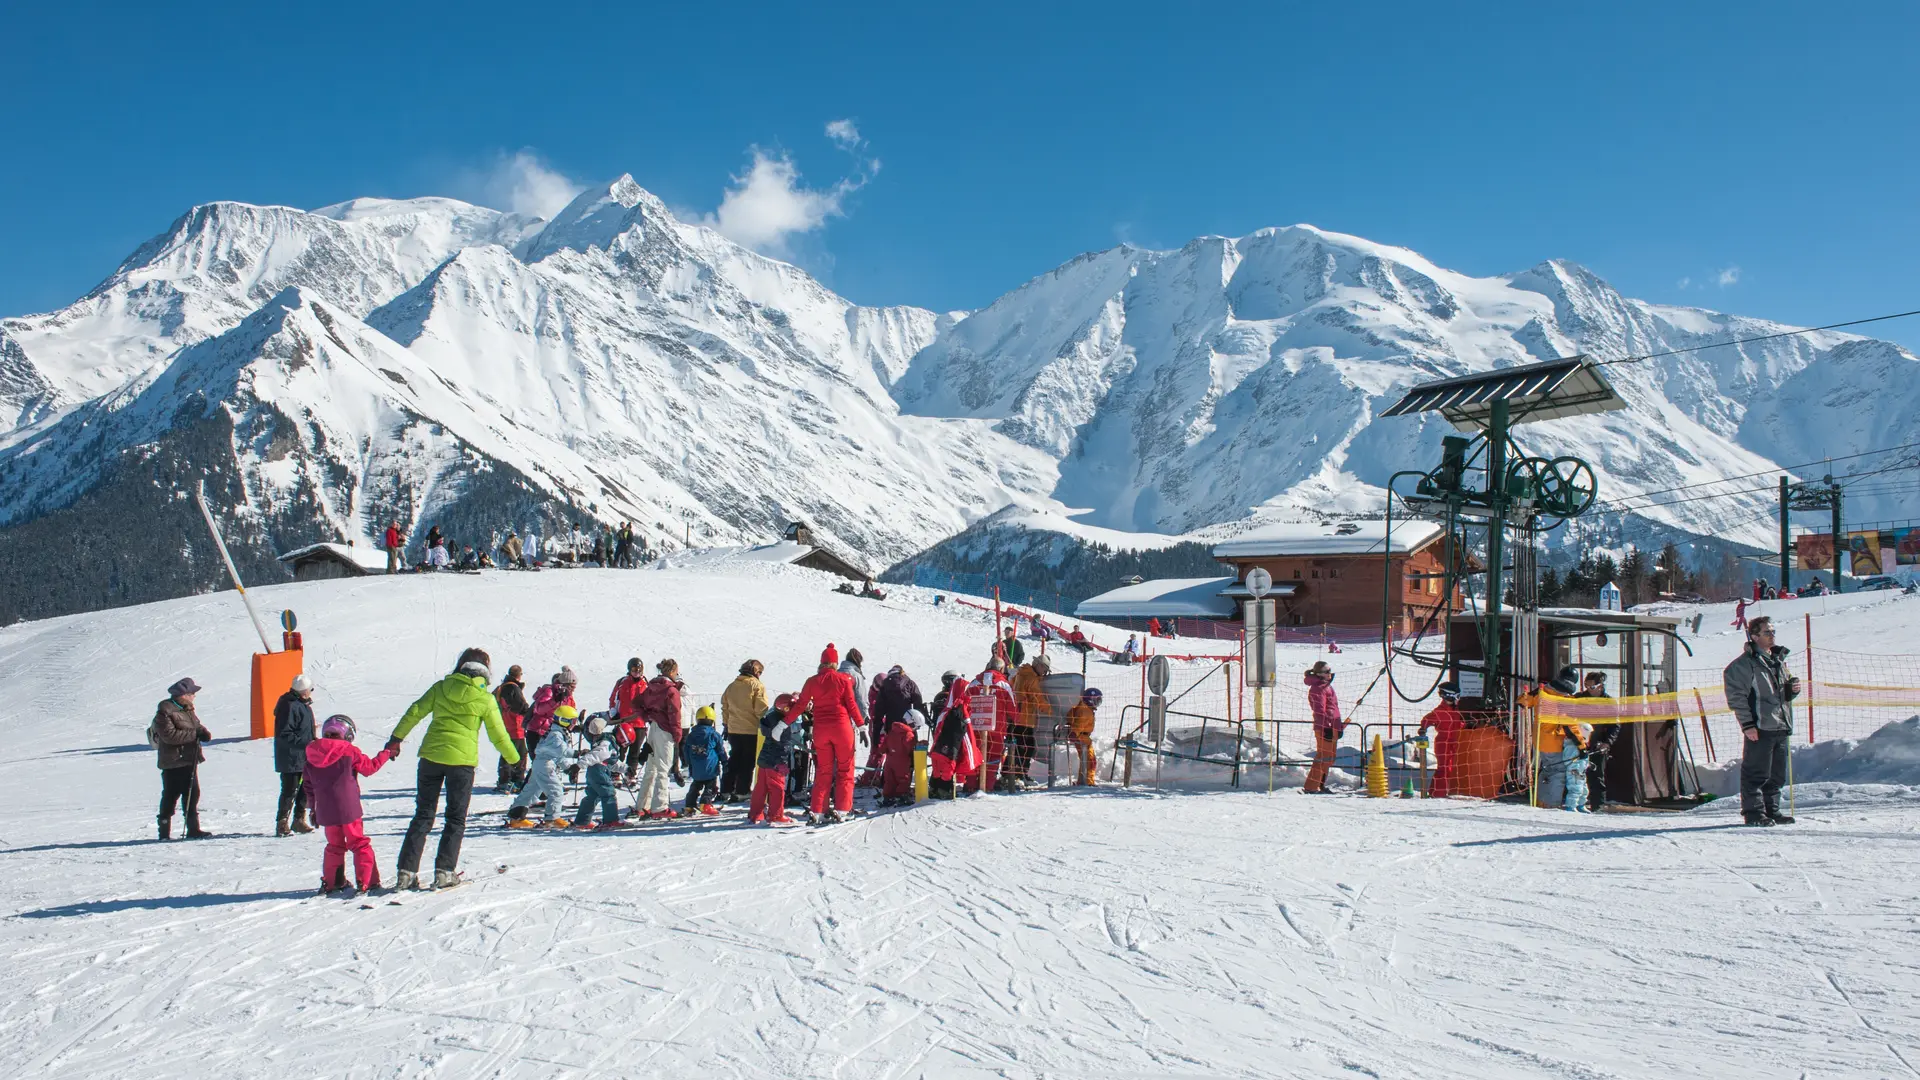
332 777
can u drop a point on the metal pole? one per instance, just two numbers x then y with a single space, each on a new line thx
1786 584
1839 583
1496 543
200 499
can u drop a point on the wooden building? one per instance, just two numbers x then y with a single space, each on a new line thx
318 562
817 556
1339 573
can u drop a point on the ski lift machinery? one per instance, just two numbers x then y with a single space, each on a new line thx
1487 491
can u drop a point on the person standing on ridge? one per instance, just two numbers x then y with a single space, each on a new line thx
832 698
1760 691
292 731
175 735
460 706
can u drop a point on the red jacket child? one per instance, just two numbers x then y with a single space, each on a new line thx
334 769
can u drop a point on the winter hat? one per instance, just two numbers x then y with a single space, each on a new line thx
596 726
302 684
188 686
830 656
1042 665
338 726
704 715
566 677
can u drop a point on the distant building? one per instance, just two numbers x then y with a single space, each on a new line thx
318 562
1344 574
817 556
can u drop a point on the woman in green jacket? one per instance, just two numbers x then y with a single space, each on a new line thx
459 704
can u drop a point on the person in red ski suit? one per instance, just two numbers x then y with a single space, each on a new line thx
992 709
334 769
1447 721
830 697
1327 725
951 752
896 775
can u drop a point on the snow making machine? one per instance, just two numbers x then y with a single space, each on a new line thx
1494 501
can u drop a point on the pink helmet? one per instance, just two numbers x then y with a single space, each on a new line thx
338 726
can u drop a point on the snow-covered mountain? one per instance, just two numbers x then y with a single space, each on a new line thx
424 359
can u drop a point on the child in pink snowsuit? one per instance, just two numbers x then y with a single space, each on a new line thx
334 769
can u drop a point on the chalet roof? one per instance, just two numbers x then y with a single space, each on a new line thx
1165 598
1341 538
366 558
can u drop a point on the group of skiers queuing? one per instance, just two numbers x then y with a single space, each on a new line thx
602 546
801 748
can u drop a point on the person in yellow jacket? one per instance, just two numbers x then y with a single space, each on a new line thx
741 706
460 705
1080 730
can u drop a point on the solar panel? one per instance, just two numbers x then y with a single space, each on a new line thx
1543 391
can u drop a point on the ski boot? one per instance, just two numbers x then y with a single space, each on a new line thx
446 879
166 827
195 832
709 809
406 881
558 823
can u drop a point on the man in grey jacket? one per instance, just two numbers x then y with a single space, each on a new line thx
1760 691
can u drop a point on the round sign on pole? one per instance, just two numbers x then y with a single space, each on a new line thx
288 622
1159 674
1259 582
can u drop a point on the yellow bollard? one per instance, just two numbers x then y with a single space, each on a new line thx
1377 770
920 771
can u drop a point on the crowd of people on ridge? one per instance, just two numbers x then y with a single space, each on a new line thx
602 546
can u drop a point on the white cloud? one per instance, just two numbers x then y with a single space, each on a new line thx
767 208
1684 282
1727 277
524 184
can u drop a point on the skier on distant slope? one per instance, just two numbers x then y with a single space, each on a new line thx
831 697
460 705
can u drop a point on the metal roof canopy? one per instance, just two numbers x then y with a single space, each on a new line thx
1544 391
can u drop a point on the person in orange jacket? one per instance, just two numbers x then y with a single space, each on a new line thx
831 697
1080 722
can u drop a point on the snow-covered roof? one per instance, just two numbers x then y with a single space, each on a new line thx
366 558
1343 538
1185 598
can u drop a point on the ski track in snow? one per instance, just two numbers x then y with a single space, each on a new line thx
1108 933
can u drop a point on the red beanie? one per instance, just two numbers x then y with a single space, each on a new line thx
830 657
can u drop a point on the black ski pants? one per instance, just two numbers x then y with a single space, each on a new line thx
458 780
181 785
293 794
516 772
1763 772
741 751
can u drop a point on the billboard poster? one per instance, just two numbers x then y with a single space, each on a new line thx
1906 547
1863 553
1814 551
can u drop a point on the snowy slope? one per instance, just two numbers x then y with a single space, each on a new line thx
1182 932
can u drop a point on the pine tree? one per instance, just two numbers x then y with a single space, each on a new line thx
1550 588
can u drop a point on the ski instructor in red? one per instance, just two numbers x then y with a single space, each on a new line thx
830 694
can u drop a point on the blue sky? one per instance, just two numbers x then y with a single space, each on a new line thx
1757 158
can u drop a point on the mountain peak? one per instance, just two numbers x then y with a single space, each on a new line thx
596 217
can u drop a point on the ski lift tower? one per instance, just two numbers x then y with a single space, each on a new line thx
1517 493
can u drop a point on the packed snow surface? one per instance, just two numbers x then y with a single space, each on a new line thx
1097 933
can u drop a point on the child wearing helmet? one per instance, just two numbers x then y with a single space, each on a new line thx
332 778
602 758
552 758
706 752
769 802
896 771
1080 730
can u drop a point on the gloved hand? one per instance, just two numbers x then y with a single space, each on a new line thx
204 735
393 747
1793 687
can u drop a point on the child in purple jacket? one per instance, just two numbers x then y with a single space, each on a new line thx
334 769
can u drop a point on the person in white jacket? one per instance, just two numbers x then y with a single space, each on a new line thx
551 760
